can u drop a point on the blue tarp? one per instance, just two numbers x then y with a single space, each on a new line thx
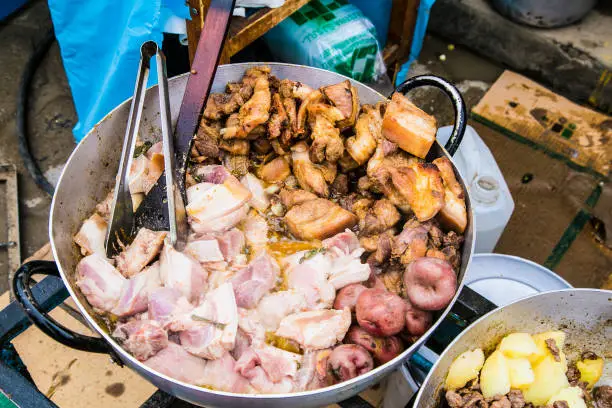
100 46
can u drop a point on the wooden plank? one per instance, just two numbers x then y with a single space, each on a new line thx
401 25
197 10
243 31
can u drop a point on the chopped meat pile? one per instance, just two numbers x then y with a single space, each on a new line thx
320 242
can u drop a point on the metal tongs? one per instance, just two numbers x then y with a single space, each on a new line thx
122 226
161 210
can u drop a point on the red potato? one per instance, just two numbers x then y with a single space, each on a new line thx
382 348
430 283
417 321
347 296
380 312
349 361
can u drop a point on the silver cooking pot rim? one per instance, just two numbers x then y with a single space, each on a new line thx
60 230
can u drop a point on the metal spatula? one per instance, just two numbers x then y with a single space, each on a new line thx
152 213
122 226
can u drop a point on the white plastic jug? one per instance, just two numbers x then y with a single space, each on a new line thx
492 202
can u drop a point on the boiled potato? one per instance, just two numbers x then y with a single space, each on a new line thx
464 369
571 395
518 345
549 379
542 349
521 373
495 376
590 370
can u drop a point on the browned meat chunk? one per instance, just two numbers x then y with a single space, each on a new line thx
411 243
368 132
310 176
393 279
517 400
274 171
140 252
602 396
219 105
408 126
294 89
589 355
312 98
278 117
207 137
344 97
255 112
453 399
289 198
572 374
237 164
235 146
340 185
318 219
453 215
504 402
554 350
378 218
380 244
556 404
326 141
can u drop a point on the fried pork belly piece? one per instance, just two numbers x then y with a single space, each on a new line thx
146 246
344 97
368 132
408 126
326 141
206 141
318 219
318 329
411 243
235 146
311 177
220 105
142 338
289 198
375 216
260 199
453 215
92 235
278 117
312 98
100 282
255 112
275 170
293 89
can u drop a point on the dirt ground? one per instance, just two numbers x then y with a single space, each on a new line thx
52 116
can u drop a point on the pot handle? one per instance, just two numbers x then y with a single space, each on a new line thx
23 295
454 95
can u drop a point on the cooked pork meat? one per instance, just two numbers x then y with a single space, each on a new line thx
310 176
291 110
344 97
275 170
274 307
220 105
177 363
255 230
221 374
408 126
235 146
313 371
205 250
169 306
318 219
104 208
140 252
145 172
411 243
92 235
316 330
368 132
206 140
253 282
180 271
310 279
100 282
289 198
294 89
215 324
454 213
340 186
136 291
255 112
142 338
269 369
278 117
260 199
312 98
326 141
602 396
378 218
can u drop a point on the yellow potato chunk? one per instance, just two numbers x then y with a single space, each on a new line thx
521 373
571 395
518 345
549 379
590 370
543 351
495 376
464 369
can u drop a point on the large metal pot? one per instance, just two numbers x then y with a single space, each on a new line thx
584 314
89 175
